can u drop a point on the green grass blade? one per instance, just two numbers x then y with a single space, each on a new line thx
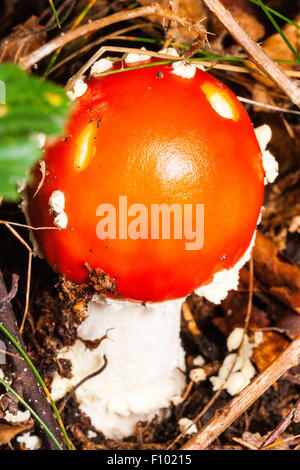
278 29
32 412
55 13
50 64
163 62
41 382
276 13
208 55
78 20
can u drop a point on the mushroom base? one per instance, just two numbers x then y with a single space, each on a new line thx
145 368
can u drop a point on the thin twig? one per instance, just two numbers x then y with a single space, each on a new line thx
268 106
241 402
116 35
254 51
167 59
126 15
85 379
11 354
198 417
16 224
187 391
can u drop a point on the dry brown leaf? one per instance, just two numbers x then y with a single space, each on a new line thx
256 439
243 13
273 344
261 94
193 10
22 41
275 274
8 432
290 324
284 202
235 306
284 146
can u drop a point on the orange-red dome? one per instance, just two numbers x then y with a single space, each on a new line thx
155 138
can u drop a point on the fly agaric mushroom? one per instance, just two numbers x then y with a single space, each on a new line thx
149 155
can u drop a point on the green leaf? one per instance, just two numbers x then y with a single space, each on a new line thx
17 155
31 106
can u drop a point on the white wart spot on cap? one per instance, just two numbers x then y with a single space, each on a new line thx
184 69
57 206
133 57
57 202
221 106
61 220
169 51
220 101
101 66
78 89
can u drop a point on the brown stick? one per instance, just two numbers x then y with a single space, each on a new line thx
240 403
24 381
88 28
254 51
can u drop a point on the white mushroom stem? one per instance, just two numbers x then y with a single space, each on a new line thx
145 368
145 371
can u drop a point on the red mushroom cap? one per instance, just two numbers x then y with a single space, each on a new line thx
154 137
